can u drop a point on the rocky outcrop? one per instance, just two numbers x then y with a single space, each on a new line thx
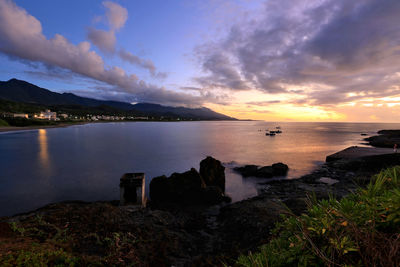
386 138
280 169
213 173
179 187
277 169
191 187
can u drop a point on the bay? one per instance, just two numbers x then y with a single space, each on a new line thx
85 162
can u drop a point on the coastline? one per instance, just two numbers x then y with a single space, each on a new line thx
29 128
4 129
182 235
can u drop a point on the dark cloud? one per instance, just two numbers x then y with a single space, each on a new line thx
223 73
338 50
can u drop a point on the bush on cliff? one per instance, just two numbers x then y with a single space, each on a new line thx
361 229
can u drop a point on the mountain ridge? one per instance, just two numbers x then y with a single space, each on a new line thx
24 92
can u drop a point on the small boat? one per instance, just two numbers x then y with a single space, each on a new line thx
279 131
270 134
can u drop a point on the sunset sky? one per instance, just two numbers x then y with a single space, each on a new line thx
275 60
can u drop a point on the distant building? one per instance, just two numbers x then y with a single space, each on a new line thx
48 115
64 116
20 115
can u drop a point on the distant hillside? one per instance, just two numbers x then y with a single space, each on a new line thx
200 113
24 92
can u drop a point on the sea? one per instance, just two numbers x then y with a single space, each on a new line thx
85 162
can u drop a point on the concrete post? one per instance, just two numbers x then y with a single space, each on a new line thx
132 189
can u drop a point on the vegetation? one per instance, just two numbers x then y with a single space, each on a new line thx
21 122
3 123
40 257
361 229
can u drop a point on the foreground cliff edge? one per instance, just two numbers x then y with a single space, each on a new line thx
104 233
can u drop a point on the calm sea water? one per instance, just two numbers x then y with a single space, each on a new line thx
85 162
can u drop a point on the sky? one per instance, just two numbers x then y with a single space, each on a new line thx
274 60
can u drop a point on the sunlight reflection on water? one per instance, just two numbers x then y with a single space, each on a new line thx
85 162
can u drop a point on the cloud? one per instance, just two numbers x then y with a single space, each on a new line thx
263 103
338 50
116 15
116 18
105 40
21 38
144 63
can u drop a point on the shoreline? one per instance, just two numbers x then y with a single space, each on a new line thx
6 129
195 234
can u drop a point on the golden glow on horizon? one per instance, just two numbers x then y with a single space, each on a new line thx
285 107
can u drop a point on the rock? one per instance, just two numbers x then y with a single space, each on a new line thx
277 169
211 195
179 187
386 138
247 170
213 173
266 171
327 180
280 169
189 188
159 189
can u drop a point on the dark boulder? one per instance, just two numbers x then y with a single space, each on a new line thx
277 169
247 170
189 188
213 173
280 169
179 187
266 171
211 195
159 189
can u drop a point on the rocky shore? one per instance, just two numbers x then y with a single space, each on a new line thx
184 235
385 138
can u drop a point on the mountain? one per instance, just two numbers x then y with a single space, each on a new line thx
24 92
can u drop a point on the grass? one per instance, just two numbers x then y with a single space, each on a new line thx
362 229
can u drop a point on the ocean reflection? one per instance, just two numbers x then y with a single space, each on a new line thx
44 158
85 162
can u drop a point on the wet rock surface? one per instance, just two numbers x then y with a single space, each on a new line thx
276 169
213 173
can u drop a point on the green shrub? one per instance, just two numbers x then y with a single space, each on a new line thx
40 258
361 229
